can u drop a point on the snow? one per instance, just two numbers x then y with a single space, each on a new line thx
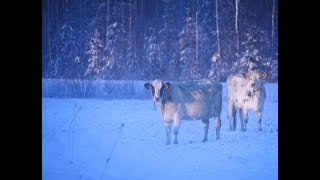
138 151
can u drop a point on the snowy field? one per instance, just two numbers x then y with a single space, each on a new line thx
85 139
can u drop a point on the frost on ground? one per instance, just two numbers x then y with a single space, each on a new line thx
86 139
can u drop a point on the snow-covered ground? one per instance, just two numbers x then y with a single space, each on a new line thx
85 139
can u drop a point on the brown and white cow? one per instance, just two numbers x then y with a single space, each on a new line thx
190 100
245 92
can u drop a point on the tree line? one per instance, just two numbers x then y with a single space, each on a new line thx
167 39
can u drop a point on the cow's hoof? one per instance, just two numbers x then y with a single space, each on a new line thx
260 129
175 142
232 129
217 138
204 140
243 130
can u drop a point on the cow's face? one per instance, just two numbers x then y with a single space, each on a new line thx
256 79
157 87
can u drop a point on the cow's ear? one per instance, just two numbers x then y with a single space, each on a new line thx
167 85
147 86
264 75
246 75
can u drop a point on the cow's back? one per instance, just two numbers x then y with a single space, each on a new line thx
202 98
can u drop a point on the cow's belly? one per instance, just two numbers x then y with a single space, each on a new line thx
194 110
247 103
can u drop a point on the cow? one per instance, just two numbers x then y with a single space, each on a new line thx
188 100
245 92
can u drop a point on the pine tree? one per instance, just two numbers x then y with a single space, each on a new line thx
68 55
153 67
227 34
94 69
205 35
116 46
251 57
187 41
168 37
132 63
219 70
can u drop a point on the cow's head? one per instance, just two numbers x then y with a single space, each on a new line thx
157 87
255 78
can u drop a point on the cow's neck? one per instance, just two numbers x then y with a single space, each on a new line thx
160 104
256 91
259 93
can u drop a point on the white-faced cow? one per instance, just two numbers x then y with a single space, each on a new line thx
245 92
190 100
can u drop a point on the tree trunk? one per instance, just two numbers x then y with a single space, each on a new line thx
142 32
57 30
197 39
142 21
108 14
80 14
218 41
122 12
156 8
217 23
130 20
272 32
49 34
236 24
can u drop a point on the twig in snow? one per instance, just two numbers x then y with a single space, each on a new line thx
112 149
72 139
115 143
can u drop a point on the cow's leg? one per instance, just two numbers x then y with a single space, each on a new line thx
241 119
168 131
234 120
232 112
206 128
217 123
259 121
177 122
245 119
